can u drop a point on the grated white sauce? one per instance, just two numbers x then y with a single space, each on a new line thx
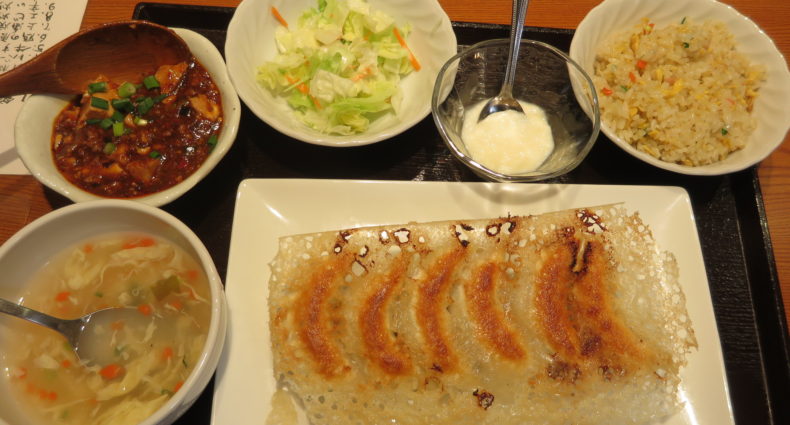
508 142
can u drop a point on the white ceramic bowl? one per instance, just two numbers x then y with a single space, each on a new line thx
33 131
28 250
250 43
772 108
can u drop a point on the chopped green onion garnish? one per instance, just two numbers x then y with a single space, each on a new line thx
683 21
724 131
106 123
99 293
109 148
150 82
99 87
212 141
145 105
140 121
124 105
92 121
165 392
685 45
154 154
160 97
625 88
117 116
126 89
117 129
100 103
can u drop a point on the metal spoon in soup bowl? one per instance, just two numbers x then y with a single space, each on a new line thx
121 51
504 101
80 333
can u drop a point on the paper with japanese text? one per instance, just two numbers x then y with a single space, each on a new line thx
27 28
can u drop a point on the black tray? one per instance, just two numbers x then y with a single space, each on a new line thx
729 211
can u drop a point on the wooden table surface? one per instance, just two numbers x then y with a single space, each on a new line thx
22 198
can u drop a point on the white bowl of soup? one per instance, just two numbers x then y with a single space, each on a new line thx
109 253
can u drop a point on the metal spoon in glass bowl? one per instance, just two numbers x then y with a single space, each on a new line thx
79 332
504 101
120 51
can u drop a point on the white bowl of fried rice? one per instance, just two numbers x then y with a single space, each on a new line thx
690 86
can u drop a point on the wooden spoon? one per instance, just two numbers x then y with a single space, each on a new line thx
121 51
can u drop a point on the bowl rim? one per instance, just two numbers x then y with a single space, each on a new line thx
215 337
486 172
301 132
604 8
205 52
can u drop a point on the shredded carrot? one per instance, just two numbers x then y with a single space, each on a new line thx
87 248
176 304
632 77
138 243
66 363
178 386
402 42
364 73
279 17
192 274
52 395
42 394
641 64
116 326
302 87
315 102
111 371
145 309
606 91
62 296
167 353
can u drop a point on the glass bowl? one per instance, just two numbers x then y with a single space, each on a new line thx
544 77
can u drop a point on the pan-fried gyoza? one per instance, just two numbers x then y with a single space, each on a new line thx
573 317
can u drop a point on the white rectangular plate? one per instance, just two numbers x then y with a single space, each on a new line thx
268 209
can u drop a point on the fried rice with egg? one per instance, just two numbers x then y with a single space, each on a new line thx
681 93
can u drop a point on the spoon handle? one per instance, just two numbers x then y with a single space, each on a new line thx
34 316
516 28
34 76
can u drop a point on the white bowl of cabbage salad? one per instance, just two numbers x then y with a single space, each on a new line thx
338 72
